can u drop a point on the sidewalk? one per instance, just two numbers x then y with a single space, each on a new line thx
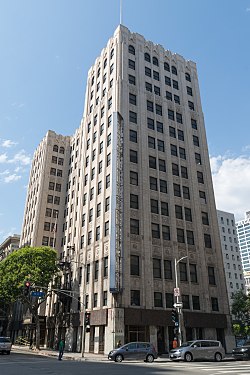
67 355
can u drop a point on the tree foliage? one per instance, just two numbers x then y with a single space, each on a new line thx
241 313
36 264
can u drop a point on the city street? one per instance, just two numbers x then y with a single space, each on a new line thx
29 364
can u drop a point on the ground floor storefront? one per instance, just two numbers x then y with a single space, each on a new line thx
108 327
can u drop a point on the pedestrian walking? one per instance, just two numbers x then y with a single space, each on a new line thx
175 343
61 350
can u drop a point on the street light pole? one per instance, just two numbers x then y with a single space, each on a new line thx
177 297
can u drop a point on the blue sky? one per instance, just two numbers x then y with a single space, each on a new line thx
48 46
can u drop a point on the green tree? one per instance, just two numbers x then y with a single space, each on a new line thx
241 313
35 264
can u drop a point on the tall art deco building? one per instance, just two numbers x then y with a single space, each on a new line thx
126 195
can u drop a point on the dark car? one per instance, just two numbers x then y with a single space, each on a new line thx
134 351
242 352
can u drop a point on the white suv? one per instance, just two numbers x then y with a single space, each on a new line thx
198 350
5 345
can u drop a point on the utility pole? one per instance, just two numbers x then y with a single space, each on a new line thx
178 305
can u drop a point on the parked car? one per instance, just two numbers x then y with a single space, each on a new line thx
198 349
242 352
134 351
5 345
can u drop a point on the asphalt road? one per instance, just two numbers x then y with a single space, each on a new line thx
26 364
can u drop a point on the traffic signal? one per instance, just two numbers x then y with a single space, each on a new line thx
87 318
175 317
26 290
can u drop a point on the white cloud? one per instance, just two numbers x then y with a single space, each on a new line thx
8 143
11 178
231 179
3 158
21 158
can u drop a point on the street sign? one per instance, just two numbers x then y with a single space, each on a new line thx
177 292
178 305
37 294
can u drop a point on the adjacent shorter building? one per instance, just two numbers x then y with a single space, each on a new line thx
231 253
10 244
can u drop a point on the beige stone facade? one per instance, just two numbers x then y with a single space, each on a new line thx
136 194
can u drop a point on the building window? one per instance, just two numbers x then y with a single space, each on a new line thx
157 268
133 136
105 266
214 303
45 241
107 181
132 99
153 183
169 95
89 237
182 153
204 216
202 195
55 148
175 85
168 274
164 209
131 49
90 214
159 126
152 162
154 206
134 226
150 106
167 81
191 105
96 270
190 237
52 171
95 299
133 178
166 67
207 240
106 228
151 142
185 191
173 149
155 61
211 276
166 233
183 271
188 214
155 230
177 100
131 64
185 301
107 203
197 158
189 91
135 298
148 86
97 233
178 212
169 300
200 177
160 145
175 169
51 185
196 141
193 273
156 75
151 123
171 114
105 298
46 226
133 117
131 79
163 186
48 212
134 202
177 190
174 70
147 57
148 72
180 235
134 265
157 90
133 156
179 117
158 299
56 200
162 165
